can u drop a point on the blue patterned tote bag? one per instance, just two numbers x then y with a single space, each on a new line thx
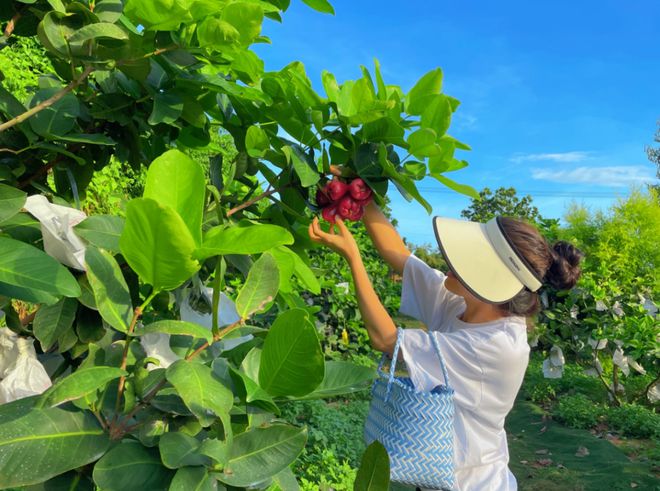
416 428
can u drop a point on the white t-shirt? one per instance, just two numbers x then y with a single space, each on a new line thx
485 362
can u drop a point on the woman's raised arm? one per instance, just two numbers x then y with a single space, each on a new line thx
385 237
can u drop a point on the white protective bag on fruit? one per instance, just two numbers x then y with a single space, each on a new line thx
21 373
57 222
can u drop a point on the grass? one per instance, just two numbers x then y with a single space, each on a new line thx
545 455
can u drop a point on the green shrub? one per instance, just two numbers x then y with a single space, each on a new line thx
634 420
578 411
327 473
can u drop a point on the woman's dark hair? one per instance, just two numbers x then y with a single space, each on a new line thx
557 265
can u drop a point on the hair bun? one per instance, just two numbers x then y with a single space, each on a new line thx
565 268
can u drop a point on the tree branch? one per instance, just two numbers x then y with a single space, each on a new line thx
48 102
11 25
252 201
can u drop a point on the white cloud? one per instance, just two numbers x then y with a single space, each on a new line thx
619 175
577 156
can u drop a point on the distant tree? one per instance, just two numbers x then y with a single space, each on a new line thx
654 156
506 202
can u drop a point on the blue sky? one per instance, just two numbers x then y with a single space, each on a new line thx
558 100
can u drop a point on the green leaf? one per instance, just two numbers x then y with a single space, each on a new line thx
200 390
261 453
461 188
260 286
193 479
178 450
342 377
111 294
246 17
26 273
216 33
157 15
175 180
322 6
79 384
403 183
92 138
330 85
131 467
247 389
176 327
256 142
52 321
44 443
244 238
382 89
385 130
11 201
422 143
306 172
167 108
157 244
108 10
374 471
98 30
57 119
424 90
292 358
437 114
101 231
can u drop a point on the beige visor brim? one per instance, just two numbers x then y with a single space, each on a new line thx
473 258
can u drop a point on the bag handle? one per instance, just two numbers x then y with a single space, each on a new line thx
395 354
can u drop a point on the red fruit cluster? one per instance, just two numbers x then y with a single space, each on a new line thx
347 201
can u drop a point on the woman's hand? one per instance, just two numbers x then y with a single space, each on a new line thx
342 243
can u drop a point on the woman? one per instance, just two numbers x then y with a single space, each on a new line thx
477 314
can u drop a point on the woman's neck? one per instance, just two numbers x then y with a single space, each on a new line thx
477 312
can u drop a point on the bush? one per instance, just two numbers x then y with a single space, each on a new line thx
327 472
634 420
578 411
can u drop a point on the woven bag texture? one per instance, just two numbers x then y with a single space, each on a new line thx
416 428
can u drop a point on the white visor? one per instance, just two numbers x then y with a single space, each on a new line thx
483 259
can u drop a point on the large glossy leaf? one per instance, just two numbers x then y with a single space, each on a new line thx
11 201
52 321
157 15
57 119
157 244
261 453
43 443
422 143
305 171
321 5
260 287
461 188
176 327
27 273
437 114
200 390
193 479
423 92
111 295
292 359
342 377
108 10
131 467
374 471
98 30
175 180
246 17
178 450
79 384
290 264
167 108
101 231
256 142
243 238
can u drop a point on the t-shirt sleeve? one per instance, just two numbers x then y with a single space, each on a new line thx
463 366
423 294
